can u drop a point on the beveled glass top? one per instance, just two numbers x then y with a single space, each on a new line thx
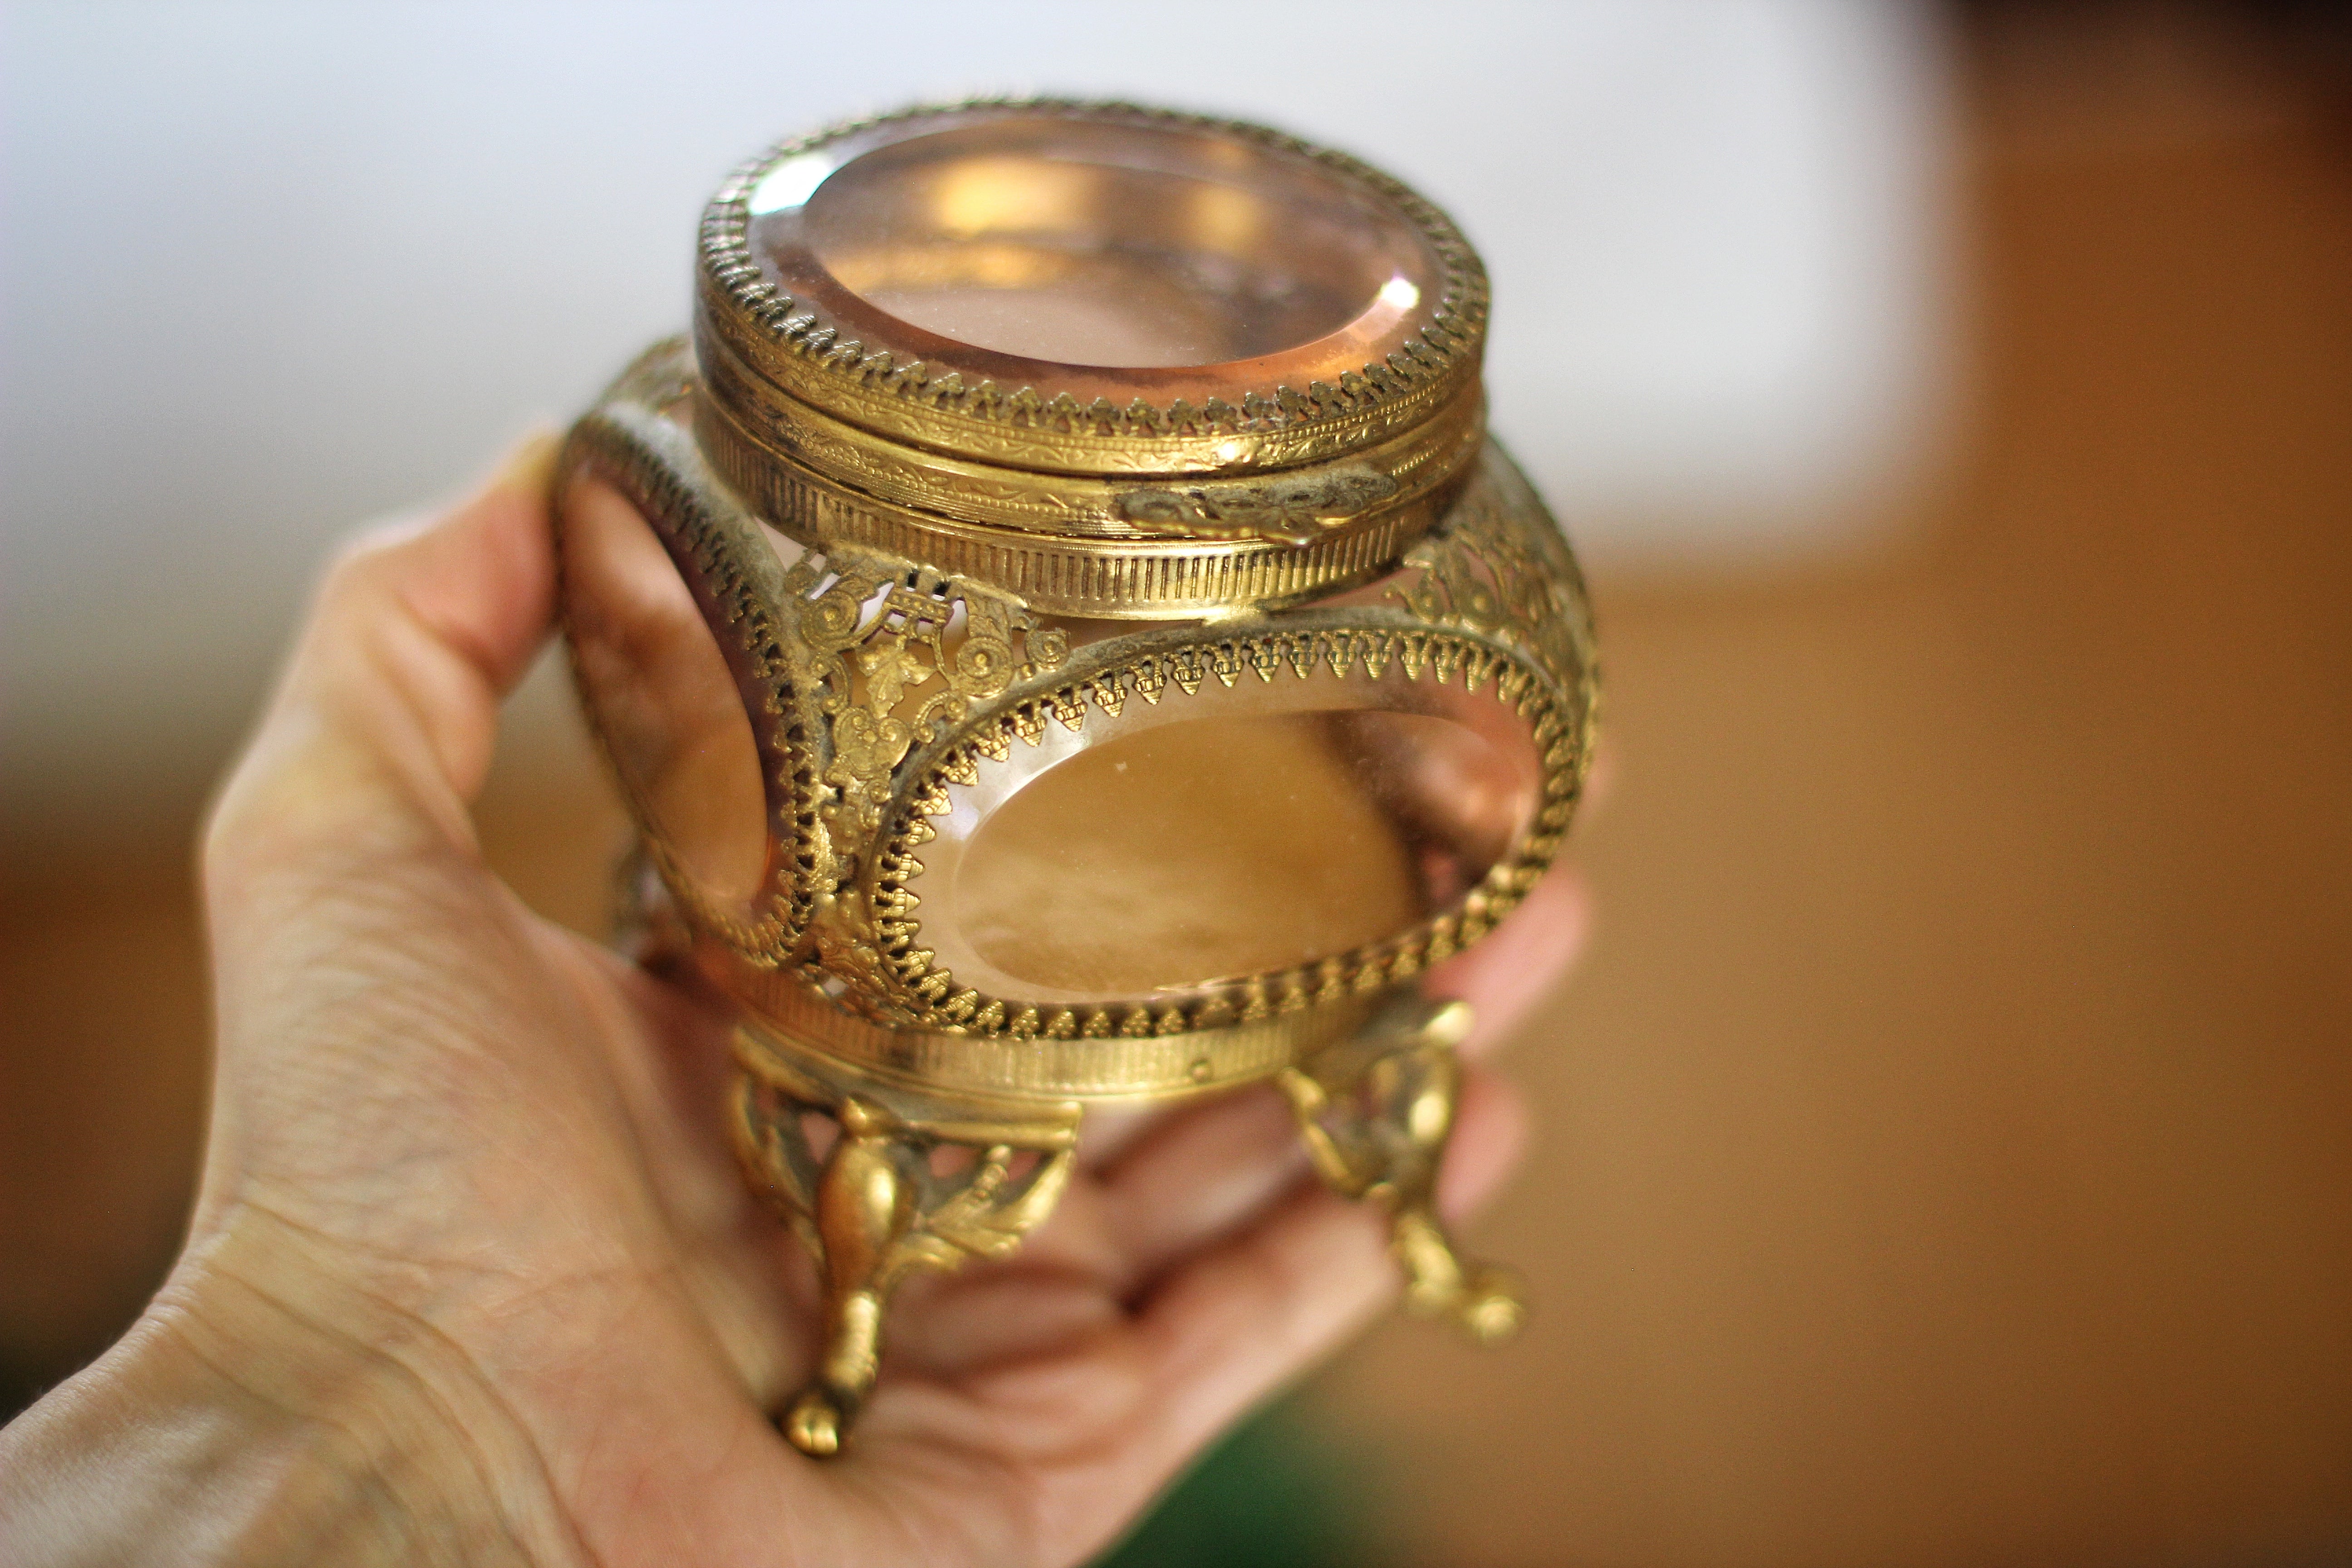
1098 256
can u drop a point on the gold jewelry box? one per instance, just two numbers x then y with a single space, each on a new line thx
1066 639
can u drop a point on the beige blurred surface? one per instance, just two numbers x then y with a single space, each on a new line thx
1945 1153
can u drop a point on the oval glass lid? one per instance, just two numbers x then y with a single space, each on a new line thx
1094 252
664 700
1215 837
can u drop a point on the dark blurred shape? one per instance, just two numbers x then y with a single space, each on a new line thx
2309 41
103 1032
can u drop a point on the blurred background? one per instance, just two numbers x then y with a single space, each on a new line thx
1945 1156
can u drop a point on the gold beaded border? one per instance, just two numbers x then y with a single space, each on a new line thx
1096 1067
627 442
1559 722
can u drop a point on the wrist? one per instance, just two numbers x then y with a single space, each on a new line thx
141 1455
265 1420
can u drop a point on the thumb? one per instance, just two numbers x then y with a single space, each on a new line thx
383 724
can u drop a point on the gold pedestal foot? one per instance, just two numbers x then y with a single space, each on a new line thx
816 1421
907 1182
1376 1112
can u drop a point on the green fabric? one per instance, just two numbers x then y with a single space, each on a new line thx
1273 1493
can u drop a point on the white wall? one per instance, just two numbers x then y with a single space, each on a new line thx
267 269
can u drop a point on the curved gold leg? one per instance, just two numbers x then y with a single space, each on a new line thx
876 1206
1376 1112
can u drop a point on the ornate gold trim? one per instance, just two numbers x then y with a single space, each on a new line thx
1090 573
914 988
890 473
1376 1111
873 1208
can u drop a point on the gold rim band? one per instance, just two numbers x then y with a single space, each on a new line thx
1097 1068
1416 459
1102 576
799 361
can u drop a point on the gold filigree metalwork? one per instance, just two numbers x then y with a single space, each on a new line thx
815 447
1291 509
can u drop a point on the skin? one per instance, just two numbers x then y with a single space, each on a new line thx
472 1277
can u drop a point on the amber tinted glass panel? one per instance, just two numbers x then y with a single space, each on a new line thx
663 697
1220 848
1101 243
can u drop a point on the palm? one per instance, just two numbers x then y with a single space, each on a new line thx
490 1151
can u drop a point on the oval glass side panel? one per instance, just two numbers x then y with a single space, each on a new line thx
1228 844
665 700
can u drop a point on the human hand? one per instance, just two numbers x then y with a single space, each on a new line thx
472 1277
